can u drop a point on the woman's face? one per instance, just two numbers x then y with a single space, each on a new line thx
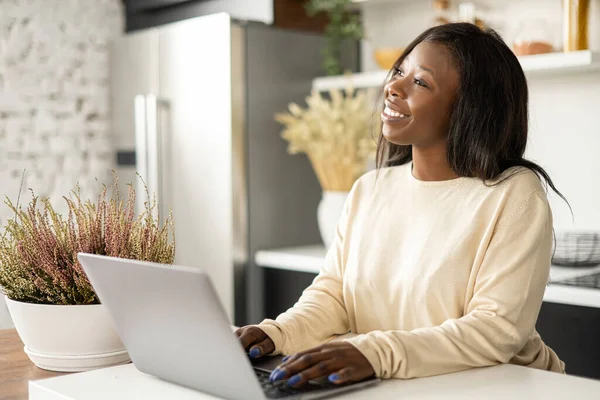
419 97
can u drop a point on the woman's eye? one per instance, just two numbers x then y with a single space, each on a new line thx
398 72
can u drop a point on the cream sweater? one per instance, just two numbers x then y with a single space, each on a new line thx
432 277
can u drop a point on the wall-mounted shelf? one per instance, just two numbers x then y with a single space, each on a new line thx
310 259
302 259
357 4
541 64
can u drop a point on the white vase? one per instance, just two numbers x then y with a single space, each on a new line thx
67 338
328 214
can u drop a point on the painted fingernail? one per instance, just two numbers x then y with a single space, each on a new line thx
334 377
277 374
284 359
293 380
254 352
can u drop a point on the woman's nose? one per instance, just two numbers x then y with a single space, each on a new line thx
395 88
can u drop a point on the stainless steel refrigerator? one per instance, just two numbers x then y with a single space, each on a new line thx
195 99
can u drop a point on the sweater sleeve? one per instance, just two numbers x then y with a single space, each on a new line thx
320 314
500 316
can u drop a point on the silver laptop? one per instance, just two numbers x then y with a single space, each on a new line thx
174 327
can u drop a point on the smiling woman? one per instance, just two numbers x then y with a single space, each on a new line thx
442 254
468 91
420 97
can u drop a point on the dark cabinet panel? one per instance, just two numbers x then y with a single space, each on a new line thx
573 332
141 14
135 6
291 14
287 14
283 289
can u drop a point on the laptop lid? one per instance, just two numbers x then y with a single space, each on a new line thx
173 325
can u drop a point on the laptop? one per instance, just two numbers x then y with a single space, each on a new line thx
174 327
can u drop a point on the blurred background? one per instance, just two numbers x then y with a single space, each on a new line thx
186 94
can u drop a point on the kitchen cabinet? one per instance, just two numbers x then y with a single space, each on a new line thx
573 332
285 14
137 6
141 14
282 289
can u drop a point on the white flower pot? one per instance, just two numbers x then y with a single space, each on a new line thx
67 338
328 214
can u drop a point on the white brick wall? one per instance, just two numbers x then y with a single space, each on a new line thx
54 94
54 118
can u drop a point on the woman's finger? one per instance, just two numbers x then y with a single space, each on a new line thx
262 348
325 348
349 374
297 364
248 338
318 370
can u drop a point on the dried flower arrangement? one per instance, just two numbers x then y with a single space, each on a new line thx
336 134
38 248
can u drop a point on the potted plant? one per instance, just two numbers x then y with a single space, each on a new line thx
344 24
53 306
338 135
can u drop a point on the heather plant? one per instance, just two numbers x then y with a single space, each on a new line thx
38 248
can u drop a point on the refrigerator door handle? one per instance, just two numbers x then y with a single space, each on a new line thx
163 154
155 152
153 148
141 153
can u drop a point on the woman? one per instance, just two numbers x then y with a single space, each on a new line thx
441 257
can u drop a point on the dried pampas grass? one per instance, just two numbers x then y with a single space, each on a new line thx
337 135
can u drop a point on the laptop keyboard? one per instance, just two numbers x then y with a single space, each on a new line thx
280 389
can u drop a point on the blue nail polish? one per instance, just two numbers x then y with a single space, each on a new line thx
255 352
293 380
277 375
333 378
284 359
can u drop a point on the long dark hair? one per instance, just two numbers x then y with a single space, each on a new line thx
489 120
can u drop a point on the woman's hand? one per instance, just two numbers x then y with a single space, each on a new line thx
341 362
255 341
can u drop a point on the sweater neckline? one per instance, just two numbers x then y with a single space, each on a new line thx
445 183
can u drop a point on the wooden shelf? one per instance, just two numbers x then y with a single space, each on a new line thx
536 65
310 259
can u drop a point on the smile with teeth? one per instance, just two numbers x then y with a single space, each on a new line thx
395 114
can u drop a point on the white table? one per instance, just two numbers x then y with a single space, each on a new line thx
310 258
499 382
